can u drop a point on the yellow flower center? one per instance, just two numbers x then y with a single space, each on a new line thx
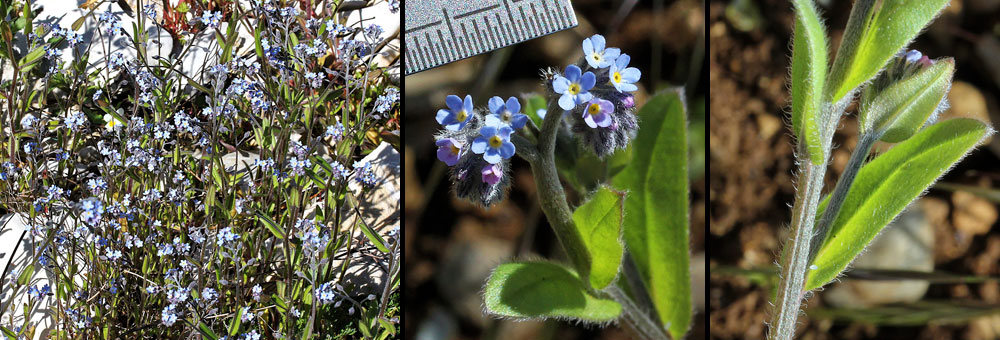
454 150
506 116
496 142
594 109
461 116
617 77
597 56
574 88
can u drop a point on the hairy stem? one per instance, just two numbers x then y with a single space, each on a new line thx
794 259
552 197
858 157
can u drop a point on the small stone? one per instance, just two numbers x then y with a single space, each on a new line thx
972 214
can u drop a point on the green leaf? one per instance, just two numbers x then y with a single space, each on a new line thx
809 65
533 290
8 333
876 30
207 331
532 103
903 107
271 225
372 236
26 274
600 222
656 209
234 325
888 184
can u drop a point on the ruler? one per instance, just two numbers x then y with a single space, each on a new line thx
438 32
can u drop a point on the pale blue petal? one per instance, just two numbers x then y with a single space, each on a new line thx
494 122
496 104
572 73
488 130
598 41
611 54
507 150
626 87
513 105
588 47
588 82
479 145
584 97
492 156
589 119
560 85
504 132
519 121
468 103
454 102
631 75
444 117
622 61
566 102
603 120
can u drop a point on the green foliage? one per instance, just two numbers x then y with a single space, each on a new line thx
809 65
600 222
656 208
876 30
886 185
898 111
538 290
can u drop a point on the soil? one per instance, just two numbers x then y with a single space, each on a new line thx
751 173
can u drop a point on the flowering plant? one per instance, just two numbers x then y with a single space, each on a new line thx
901 93
627 242
228 197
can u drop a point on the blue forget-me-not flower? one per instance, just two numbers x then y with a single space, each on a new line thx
494 141
574 87
457 114
598 56
508 113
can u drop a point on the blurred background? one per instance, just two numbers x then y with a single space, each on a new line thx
452 245
751 185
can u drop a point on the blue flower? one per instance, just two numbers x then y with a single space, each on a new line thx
573 87
92 209
458 113
509 112
211 18
494 141
75 121
622 76
169 316
597 55
149 11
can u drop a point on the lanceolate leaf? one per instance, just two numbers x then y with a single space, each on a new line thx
888 184
538 290
809 65
876 30
656 209
600 221
901 109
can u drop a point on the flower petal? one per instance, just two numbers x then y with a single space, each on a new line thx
622 61
589 119
572 73
488 130
444 117
444 154
631 75
496 104
560 84
513 105
625 87
605 105
454 102
587 82
566 102
588 46
504 132
468 103
492 156
507 150
603 120
611 54
479 145
445 142
598 41
584 97
518 121
493 121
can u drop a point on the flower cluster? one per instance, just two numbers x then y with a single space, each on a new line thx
597 94
478 146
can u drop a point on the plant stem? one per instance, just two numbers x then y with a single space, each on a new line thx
795 253
858 156
551 196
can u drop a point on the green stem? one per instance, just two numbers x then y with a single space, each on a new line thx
839 194
551 196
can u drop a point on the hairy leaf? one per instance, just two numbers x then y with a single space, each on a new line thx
600 222
656 209
888 184
537 290
809 66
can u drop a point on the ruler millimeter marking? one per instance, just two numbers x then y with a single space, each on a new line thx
438 32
